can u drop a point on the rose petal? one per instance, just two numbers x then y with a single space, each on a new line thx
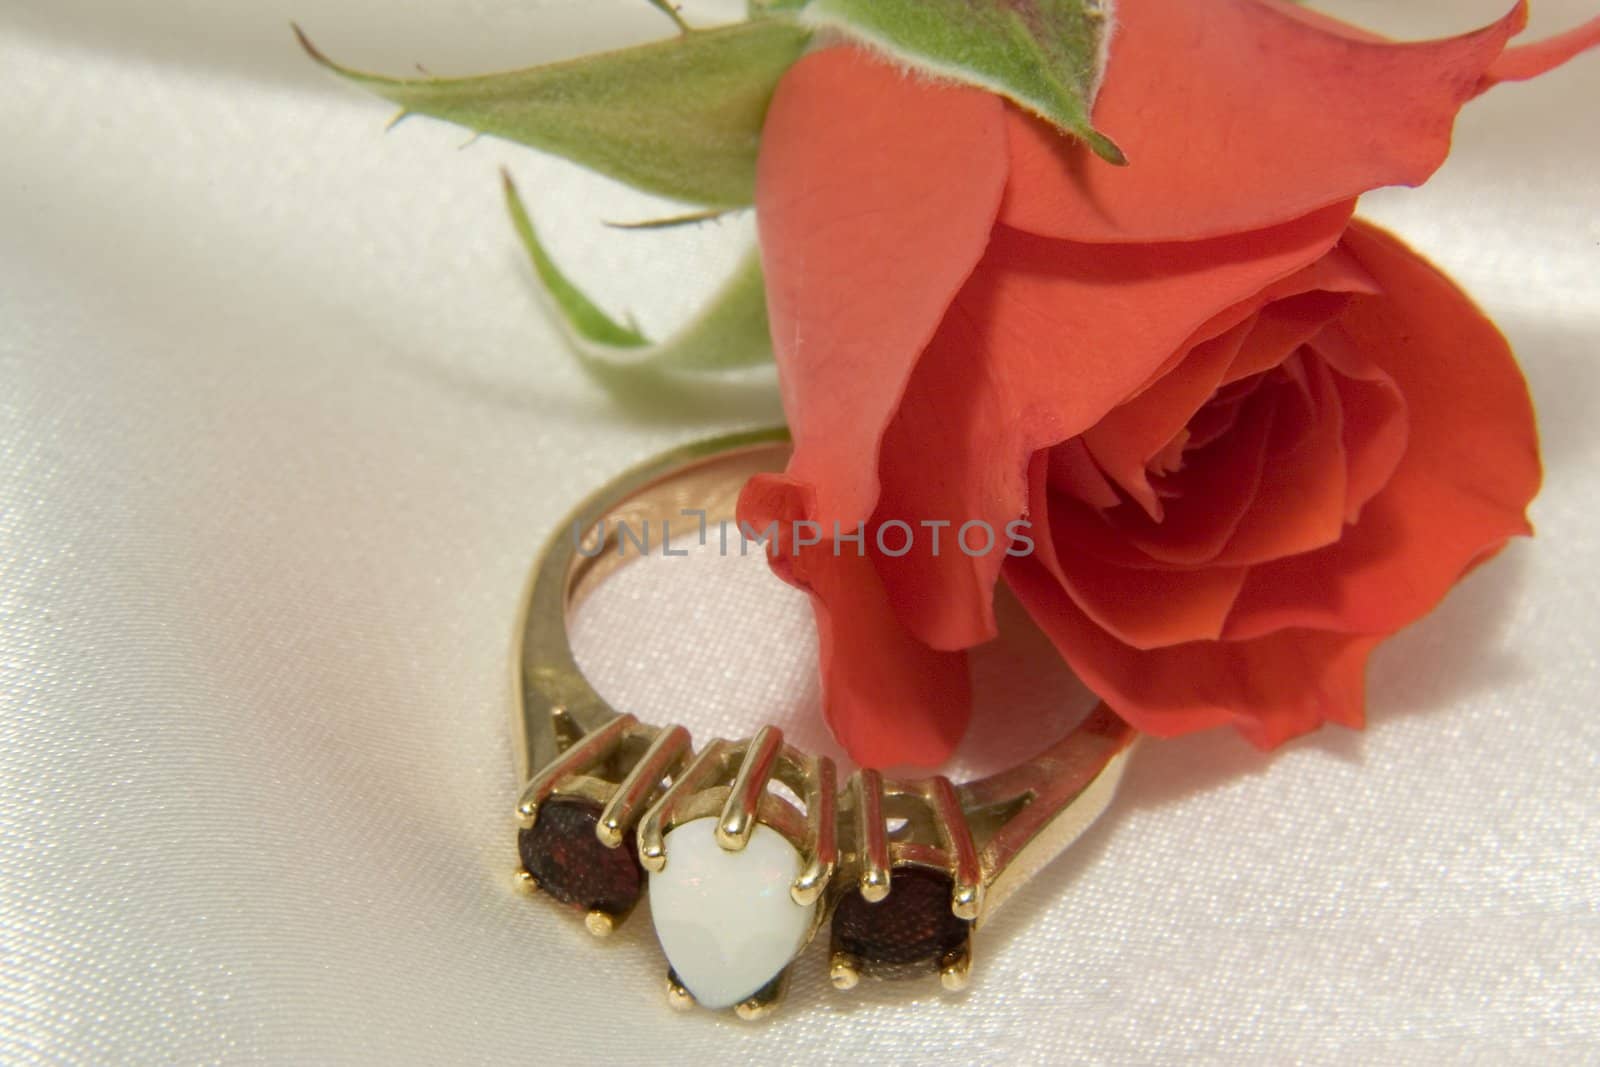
1041 342
1531 60
888 698
1301 502
1219 510
876 193
1043 504
1336 272
1072 470
1125 442
1470 468
1142 608
1208 500
1131 434
1326 23
1146 608
1280 329
1236 114
1221 415
1272 689
1375 425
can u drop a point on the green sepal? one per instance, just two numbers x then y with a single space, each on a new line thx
1045 55
762 8
729 333
680 117
671 221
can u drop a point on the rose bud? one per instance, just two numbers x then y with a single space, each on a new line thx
1252 437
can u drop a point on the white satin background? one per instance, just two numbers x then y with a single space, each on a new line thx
283 424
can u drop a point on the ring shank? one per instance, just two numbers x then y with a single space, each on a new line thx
584 550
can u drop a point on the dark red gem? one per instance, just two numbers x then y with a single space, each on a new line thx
907 933
568 861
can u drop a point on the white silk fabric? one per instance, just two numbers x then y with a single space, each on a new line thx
282 424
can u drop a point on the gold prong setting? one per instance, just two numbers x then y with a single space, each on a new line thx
966 896
674 804
822 824
900 866
578 813
678 997
665 754
872 836
844 970
580 759
919 889
955 967
764 1001
738 873
741 810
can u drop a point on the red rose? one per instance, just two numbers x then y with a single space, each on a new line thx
1253 437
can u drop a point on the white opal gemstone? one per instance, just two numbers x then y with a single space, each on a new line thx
725 919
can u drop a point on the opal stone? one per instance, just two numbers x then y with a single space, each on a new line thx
725 919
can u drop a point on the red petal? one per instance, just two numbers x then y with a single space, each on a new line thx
1301 502
1040 344
1108 580
1201 509
1253 336
1236 114
1148 609
1326 23
1280 329
1209 499
888 698
1043 504
1531 60
1129 437
1272 689
1375 429
1470 468
1220 416
875 197
1072 470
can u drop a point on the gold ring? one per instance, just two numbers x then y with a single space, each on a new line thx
741 878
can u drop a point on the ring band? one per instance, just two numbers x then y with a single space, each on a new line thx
741 877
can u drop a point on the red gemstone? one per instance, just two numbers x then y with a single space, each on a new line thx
569 862
906 934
